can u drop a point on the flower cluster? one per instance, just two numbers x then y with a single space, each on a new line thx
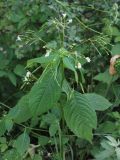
27 76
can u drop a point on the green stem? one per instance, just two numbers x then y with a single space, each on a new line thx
108 87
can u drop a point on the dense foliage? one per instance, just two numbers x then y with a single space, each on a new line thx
58 100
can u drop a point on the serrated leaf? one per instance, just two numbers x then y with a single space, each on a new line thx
112 141
80 116
118 153
41 60
97 102
45 93
103 155
22 143
21 112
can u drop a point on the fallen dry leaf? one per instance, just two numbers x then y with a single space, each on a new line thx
112 70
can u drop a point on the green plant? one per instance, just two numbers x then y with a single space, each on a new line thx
111 149
66 96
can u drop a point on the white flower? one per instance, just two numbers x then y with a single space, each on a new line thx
44 46
1 49
76 53
4 52
18 38
79 66
28 74
70 21
88 59
64 15
47 53
25 79
20 46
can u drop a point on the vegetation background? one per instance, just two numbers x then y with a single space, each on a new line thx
58 100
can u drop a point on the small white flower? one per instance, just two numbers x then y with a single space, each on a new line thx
47 53
18 38
79 66
1 49
64 15
76 53
88 59
20 46
4 52
70 21
44 46
25 79
74 44
54 22
28 74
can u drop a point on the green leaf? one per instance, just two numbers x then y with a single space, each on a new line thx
3 147
70 64
116 49
42 60
45 93
2 127
118 153
106 127
12 78
80 116
11 155
21 112
117 39
66 87
3 73
97 102
37 157
19 70
103 155
53 129
105 77
22 143
8 124
43 140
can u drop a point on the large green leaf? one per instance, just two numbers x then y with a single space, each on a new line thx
42 60
19 70
22 143
97 102
45 93
21 112
105 77
80 116
11 154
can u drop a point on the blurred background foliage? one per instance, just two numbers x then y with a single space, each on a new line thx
30 28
